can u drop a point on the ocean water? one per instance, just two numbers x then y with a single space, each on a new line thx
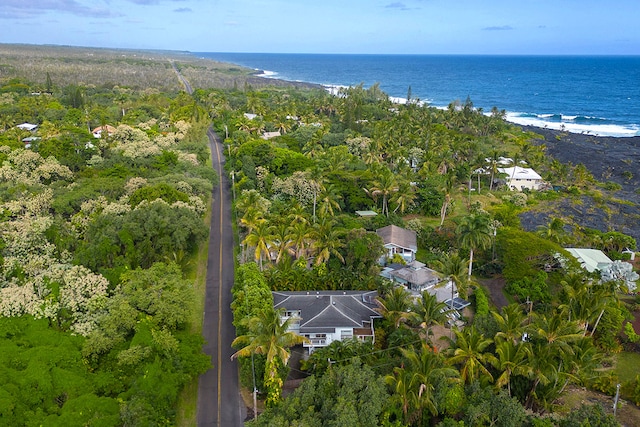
599 95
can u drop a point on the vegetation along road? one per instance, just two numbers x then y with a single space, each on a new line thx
218 393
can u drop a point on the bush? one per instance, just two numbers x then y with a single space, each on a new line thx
482 302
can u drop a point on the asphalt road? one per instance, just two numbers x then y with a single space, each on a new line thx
219 400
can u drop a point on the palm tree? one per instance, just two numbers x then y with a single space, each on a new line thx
282 240
405 196
428 311
327 240
261 238
329 200
423 370
474 231
384 185
268 334
452 266
468 352
511 323
446 188
512 359
300 236
395 305
554 230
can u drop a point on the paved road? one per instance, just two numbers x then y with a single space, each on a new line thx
219 400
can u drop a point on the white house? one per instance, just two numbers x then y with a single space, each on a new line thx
27 126
326 316
398 240
519 178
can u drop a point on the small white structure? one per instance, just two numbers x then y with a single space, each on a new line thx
398 240
519 178
27 126
250 116
327 316
269 135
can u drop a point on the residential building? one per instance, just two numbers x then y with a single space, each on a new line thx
327 316
398 240
519 178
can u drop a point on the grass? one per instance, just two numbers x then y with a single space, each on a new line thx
627 366
187 406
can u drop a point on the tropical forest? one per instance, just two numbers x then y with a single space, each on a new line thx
105 192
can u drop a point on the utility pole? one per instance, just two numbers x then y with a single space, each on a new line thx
615 401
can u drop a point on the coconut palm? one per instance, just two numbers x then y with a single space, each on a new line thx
269 335
452 266
512 359
395 305
384 185
300 234
260 238
327 240
329 197
511 323
428 311
282 240
468 352
474 231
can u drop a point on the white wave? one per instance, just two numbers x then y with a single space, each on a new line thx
565 117
267 74
591 129
545 116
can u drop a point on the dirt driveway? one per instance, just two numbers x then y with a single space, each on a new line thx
495 287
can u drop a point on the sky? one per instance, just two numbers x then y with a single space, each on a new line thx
546 27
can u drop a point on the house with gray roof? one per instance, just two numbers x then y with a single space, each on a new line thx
398 240
326 316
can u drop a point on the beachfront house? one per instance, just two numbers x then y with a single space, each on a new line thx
518 178
398 241
327 316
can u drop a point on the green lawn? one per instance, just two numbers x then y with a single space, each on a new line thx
628 366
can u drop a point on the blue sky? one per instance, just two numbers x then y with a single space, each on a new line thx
330 26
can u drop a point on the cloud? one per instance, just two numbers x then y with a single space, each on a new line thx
498 28
20 9
183 10
397 5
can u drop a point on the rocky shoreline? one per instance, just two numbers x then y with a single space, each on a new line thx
609 159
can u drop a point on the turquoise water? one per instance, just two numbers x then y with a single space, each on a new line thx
599 95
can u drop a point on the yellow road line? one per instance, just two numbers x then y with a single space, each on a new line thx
219 288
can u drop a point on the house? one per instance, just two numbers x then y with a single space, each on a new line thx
27 126
269 135
326 316
519 178
250 116
595 260
417 278
97 132
398 240
590 259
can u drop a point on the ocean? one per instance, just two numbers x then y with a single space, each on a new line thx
598 95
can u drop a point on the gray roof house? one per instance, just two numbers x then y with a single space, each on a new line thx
327 316
398 240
